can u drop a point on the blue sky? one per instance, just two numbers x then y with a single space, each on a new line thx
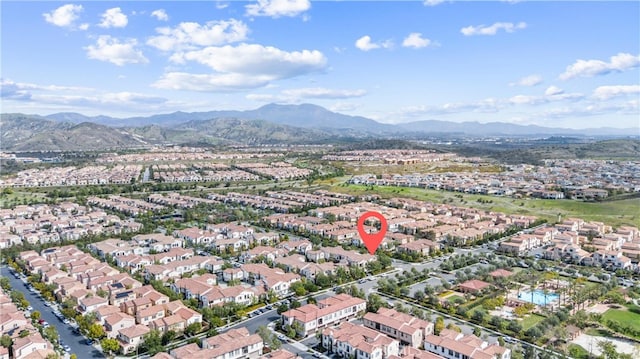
556 64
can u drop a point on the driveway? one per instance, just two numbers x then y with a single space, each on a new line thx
75 341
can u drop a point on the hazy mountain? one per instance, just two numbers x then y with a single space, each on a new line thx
305 115
316 117
26 133
268 124
503 128
250 131
34 133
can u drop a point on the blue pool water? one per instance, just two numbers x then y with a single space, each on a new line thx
538 297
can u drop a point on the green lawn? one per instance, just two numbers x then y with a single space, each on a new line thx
614 213
577 351
21 197
624 317
598 332
530 321
454 297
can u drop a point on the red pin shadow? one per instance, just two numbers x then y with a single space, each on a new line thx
372 240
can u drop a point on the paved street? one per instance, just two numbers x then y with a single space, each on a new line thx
75 341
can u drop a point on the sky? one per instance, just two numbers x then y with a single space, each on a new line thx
549 63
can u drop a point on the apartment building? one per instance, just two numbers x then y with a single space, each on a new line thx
408 329
354 341
453 345
329 311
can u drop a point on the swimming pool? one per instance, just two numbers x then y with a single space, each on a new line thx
538 297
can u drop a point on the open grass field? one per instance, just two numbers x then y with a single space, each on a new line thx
624 317
19 197
577 351
378 168
530 321
614 213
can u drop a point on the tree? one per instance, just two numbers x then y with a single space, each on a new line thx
96 331
152 342
608 349
282 308
73 356
110 345
102 293
24 333
298 288
5 284
438 326
168 337
514 326
477 332
193 328
6 341
322 280
270 339
51 333
374 302
35 315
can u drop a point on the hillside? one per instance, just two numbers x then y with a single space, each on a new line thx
618 149
251 131
34 133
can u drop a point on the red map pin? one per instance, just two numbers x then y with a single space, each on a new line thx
372 240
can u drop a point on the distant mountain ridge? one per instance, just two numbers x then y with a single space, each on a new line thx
317 117
268 124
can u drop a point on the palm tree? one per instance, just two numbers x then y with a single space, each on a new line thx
546 292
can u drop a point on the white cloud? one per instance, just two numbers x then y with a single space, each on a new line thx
112 50
416 41
432 2
83 26
241 67
323 93
553 90
210 82
64 16
364 43
160 14
66 97
278 8
300 94
551 94
526 100
113 18
493 29
531 80
189 35
607 92
488 105
221 5
590 68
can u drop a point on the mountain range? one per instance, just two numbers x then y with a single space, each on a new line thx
269 124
